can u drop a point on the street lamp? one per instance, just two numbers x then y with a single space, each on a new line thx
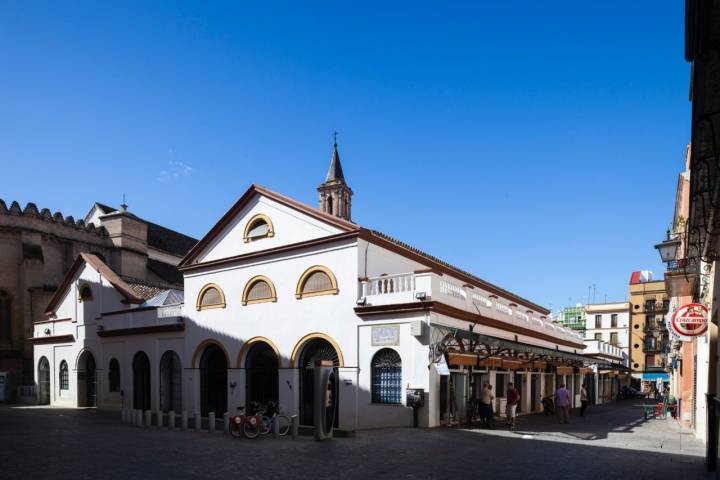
669 248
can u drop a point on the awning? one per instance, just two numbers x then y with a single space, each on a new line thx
655 376
440 334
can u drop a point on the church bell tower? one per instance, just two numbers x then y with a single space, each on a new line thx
335 195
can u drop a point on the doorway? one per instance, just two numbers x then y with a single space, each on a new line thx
141 381
86 385
170 382
44 381
213 381
314 350
261 374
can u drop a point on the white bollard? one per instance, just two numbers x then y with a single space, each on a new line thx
171 420
123 415
148 418
276 429
198 421
211 422
226 423
184 420
138 418
295 426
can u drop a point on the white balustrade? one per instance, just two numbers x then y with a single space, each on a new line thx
452 290
387 284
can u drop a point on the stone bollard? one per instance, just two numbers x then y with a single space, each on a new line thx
138 418
226 423
171 420
295 426
159 417
276 429
148 418
211 422
184 420
198 421
123 415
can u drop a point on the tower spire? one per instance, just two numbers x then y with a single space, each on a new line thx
335 195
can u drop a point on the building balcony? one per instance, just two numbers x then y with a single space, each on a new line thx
408 288
652 348
141 320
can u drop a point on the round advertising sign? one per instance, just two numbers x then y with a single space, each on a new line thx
690 320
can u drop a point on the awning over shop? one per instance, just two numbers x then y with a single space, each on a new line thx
655 376
484 346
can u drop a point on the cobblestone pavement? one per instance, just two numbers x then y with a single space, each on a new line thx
611 442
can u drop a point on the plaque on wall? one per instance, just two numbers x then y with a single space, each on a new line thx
385 335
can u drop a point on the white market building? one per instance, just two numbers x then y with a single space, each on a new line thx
276 285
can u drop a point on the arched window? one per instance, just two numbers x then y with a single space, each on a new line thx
64 380
114 375
210 296
85 293
5 317
317 280
386 377
259 226
259 289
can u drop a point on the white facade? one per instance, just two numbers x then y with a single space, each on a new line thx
609 323
378 294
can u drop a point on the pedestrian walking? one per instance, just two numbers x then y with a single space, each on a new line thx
562 404
486 406
512 396
583 399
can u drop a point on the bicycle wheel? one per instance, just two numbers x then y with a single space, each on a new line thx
284 425
236 428
265 425
251 427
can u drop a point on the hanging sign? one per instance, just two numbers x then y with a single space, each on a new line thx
690 320
441 366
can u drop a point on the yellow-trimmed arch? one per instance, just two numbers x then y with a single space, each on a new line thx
246 347
253 220
202 346
253 281
203 291
310 336
306 274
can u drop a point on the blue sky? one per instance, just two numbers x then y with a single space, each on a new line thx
535 144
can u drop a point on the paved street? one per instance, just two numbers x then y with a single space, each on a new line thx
612 442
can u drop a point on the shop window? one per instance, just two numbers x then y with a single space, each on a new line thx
258 227
64 377
114 375
315 281
259 289
386 377
211 296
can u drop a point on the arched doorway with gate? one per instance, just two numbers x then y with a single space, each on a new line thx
310 351
170 382
141 381
261 374
43 381
213 380
86 380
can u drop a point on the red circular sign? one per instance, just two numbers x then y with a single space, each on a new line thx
690 320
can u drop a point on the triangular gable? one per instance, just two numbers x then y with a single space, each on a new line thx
87 258
234 219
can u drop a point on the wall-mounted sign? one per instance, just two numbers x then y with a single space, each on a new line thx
441 366
386 335
690 320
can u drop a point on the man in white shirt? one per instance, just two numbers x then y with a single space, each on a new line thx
583 399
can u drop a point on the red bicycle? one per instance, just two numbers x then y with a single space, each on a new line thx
248 425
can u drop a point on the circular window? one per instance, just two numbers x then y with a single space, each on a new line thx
636 365
637 325
637 306
637 345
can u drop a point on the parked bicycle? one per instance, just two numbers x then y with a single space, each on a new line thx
249 425
272 415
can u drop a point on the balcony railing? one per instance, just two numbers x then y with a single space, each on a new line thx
658 308
413 287
652 348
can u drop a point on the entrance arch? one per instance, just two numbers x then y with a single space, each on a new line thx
312 350
43 381
213 380
86 380
261 374
170 382
141 381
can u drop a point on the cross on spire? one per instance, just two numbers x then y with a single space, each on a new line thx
335 134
